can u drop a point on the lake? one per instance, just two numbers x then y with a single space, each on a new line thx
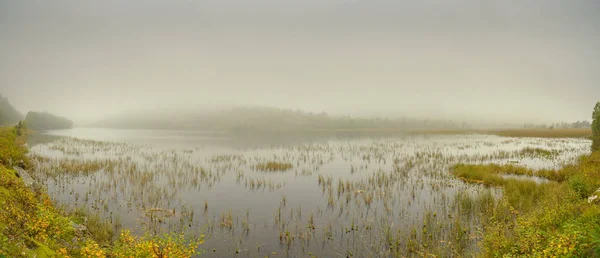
344 195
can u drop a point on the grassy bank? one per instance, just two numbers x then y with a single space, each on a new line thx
31 226
552 219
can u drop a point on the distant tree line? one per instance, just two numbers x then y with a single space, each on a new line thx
268 119
46 121
563 125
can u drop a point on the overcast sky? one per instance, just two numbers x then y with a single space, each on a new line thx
505 60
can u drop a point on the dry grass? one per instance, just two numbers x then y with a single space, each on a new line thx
361 130
445 131
518 132
544 133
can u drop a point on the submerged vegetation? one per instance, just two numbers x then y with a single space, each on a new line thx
31 226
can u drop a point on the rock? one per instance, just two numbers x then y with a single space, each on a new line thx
25 176
79 229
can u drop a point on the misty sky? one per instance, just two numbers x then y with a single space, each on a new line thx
504 60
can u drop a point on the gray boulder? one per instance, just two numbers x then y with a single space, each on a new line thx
29 182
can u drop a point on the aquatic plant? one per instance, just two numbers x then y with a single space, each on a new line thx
273 166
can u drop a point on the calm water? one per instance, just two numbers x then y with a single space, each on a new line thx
362 196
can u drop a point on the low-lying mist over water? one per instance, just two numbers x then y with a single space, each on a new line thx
314 128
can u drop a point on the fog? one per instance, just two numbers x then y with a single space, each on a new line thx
510 61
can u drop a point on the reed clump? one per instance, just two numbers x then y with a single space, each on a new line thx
274 166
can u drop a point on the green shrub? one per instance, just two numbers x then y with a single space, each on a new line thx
595 143
581 185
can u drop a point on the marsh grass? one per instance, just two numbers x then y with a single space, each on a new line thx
490 174
273 166
100 229
226 220
539 152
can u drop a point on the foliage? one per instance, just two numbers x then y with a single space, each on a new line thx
10 152
28 221
170 245
46 121
540 220
20 128
596 120
595 143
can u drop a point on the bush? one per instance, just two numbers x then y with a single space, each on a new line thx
170 245
595 144
581 185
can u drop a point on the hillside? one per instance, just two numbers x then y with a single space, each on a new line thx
46 121
8 114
